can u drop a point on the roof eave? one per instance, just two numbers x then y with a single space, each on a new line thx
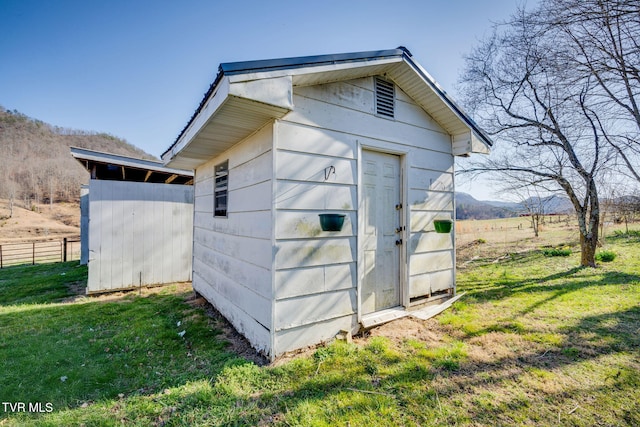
232 112
480 142
83 154
265 88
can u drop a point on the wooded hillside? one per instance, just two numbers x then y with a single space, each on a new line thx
35 163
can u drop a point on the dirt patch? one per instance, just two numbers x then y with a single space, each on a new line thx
121 296
43 222
428 331
495 346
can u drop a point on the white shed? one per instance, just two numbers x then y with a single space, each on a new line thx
368 136
136 222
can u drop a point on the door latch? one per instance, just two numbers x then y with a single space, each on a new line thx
398 242
399 206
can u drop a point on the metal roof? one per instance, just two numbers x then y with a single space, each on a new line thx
229 111
231 68
109 166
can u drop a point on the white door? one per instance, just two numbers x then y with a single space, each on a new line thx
381 231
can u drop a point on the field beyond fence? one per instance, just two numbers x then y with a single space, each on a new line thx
478 239
67 249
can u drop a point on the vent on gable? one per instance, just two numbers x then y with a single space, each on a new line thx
385 98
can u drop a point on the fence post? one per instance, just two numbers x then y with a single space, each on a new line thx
0 256
64 243
33 254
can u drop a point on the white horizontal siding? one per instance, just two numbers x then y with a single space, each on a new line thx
422 221
430 241
424 200
306 224
251 172
425 179
314 280
248 249
308 309
429 159
316 172
256 197
307 139
360 99
315 196
312 112
426 284
233 256
245 299
254 224
256 279
430 262
293 166
324 130
314 252
311 334
257 334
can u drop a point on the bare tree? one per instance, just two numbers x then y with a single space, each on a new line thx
535 204
539 110
601 42
627 209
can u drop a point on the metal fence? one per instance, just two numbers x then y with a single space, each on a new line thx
39 252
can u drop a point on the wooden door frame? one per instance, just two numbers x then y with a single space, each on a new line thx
403 280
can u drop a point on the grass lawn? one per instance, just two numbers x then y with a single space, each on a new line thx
535 341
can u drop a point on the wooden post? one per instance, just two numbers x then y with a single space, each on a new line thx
33 254
64 251
0 256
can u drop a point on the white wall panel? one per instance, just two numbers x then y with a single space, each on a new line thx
307 309
233 255
310 195
306 139
312 252
139 234
430 262
306 225
313 280
295 338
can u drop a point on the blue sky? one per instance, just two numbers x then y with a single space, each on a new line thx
138 69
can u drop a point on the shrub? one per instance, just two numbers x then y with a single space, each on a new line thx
556 252
605 256
630 233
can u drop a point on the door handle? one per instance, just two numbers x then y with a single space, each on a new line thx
398 242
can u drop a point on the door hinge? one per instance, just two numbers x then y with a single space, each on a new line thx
399 206
398 242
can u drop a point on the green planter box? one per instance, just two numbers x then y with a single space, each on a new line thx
331 222
443 225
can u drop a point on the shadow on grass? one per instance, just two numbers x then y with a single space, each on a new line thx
98 349
133 347
563 282
419 389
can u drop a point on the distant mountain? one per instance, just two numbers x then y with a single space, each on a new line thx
511 206
550 204
468 207
35 160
